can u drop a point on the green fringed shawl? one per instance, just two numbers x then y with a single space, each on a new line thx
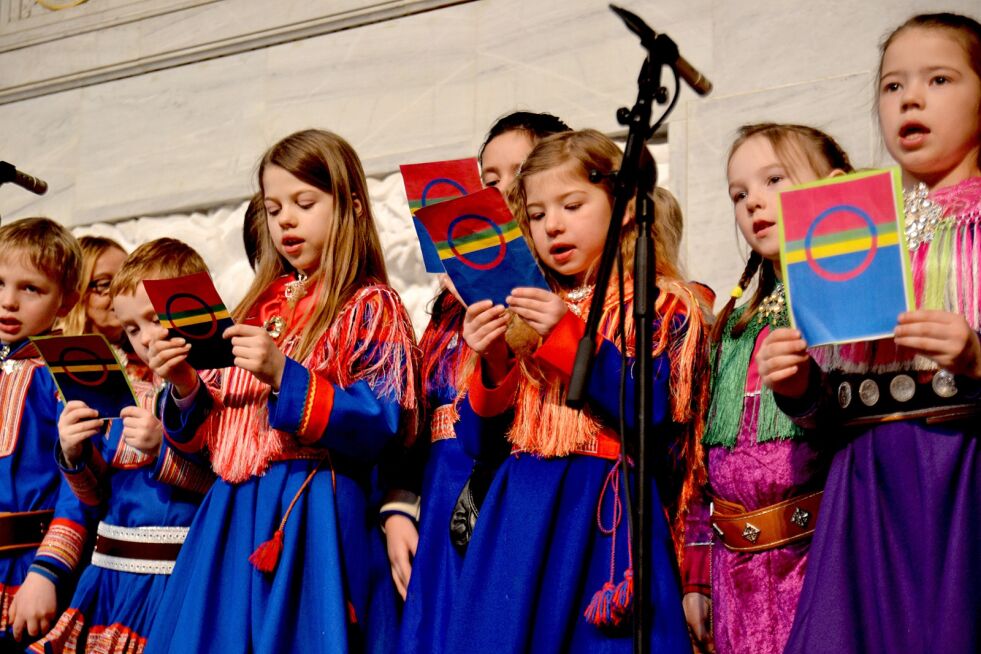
725 416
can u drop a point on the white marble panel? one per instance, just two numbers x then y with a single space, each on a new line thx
170 140
41 137
840 106
770 43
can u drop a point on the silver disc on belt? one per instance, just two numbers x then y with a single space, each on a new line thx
844 394
902 388
868 392
943 384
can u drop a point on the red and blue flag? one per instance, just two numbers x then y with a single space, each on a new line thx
189 307
481 246
86 368
434 182
844 258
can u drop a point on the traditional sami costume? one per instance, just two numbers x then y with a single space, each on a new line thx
148 502
895 563
43 526
294 467
749 551
549 569
437 562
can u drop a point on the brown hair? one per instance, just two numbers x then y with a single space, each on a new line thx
352 255
49 247
596 158
252 225
799 148
966 31
93 247
162 258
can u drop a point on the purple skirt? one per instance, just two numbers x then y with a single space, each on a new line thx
895 563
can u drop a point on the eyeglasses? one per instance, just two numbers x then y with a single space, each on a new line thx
100 286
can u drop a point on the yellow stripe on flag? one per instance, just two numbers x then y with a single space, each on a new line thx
481 244
194 320
845 247
93 368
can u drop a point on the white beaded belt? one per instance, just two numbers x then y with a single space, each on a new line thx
143 550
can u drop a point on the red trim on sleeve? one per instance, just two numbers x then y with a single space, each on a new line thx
558 351
490 402
64 542
316 409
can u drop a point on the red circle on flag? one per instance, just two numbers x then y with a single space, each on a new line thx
502 245
194 302
829 275
87 357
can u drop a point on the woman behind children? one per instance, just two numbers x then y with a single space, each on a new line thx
894 564
436 563
758 460
101 259
285 553
548 568
146 492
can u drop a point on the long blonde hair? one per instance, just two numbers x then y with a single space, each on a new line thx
77 321
352 255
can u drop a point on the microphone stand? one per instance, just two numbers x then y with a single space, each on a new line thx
634 181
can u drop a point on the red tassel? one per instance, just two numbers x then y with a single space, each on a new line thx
266 556
624 595
600 610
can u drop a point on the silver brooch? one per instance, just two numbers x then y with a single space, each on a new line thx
902 388
943 384
274 326
296 290
923 215
751 532
868 392
773 305
844 395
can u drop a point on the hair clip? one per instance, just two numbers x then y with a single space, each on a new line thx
595 176
737 292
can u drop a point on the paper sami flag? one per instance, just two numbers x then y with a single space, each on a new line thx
481 246
190 308
844 258
431 183
86 368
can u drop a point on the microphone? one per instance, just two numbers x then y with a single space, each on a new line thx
8 173
662 42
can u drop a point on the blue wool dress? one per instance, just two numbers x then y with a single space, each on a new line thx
538 555
112 610
299 463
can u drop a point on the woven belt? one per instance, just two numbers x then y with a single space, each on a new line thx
605 445
871 398
763 529
441 425
143 550
20 531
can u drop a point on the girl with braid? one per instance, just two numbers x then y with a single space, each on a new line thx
764 477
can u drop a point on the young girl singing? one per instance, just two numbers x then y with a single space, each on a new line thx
437 562
549 568
285 554
761 469
894 564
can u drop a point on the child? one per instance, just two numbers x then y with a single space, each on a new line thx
101 259
435 565
894 565
39 282
285 554
549 568
148 493
758 461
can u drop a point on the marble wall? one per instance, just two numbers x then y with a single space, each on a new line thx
147 116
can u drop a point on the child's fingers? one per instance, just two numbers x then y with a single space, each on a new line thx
777 376
531 293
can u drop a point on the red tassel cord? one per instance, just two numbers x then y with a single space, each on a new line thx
266 556
611 604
